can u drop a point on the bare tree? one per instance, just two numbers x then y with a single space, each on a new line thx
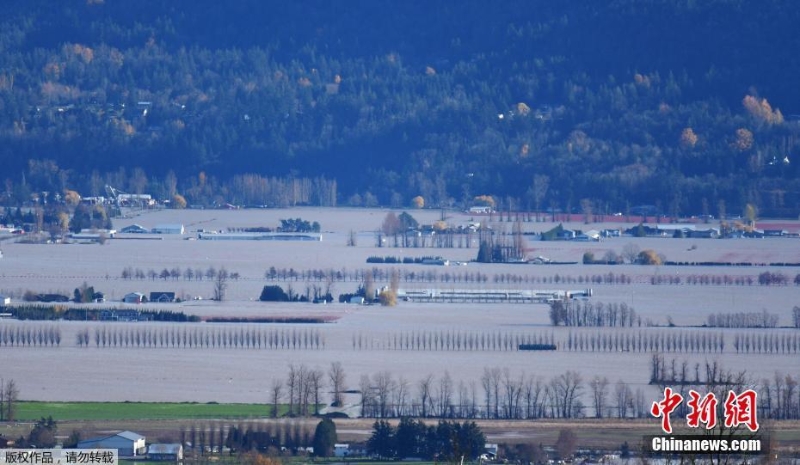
337 378
276 392
10 398
624 398
401 397
292 384
220 284
424 389
630 252
383 385
599 387
365 386
445 395
316 380
566 390
511 393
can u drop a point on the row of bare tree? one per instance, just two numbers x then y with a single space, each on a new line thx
778 397
499 394
657 340
30 336
761 319
175 273
766 343
646 341
450 341
196 337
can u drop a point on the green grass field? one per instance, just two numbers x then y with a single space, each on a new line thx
65 411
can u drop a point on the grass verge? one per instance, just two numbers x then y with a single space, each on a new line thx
67 411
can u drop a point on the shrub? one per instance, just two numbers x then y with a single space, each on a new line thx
273 293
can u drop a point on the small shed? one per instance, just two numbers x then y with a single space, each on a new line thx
4 299
165 452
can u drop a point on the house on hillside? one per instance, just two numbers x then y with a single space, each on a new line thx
165 452
128 443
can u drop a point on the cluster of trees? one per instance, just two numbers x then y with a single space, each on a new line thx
299 225
301 391
30 336
586 313
275 293
271 438
768 278
244 437
447 441
763 319
42 435
186 337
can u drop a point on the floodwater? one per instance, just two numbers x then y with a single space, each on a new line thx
362 337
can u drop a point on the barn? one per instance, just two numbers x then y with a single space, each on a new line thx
128 443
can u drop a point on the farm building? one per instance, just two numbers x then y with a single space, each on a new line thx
169 229
261 236
341 450
134 298
165 452
119 315
134 229
163 297
4 299
128 443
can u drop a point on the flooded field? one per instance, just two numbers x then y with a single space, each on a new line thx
365 338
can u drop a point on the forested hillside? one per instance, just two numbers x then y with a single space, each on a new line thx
688 106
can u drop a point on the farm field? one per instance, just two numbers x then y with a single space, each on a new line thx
374 339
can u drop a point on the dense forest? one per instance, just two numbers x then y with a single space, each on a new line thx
687 106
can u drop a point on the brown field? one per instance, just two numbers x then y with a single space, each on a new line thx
243 375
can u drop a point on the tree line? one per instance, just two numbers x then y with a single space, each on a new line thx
30 336
448 441
436 276
133 336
